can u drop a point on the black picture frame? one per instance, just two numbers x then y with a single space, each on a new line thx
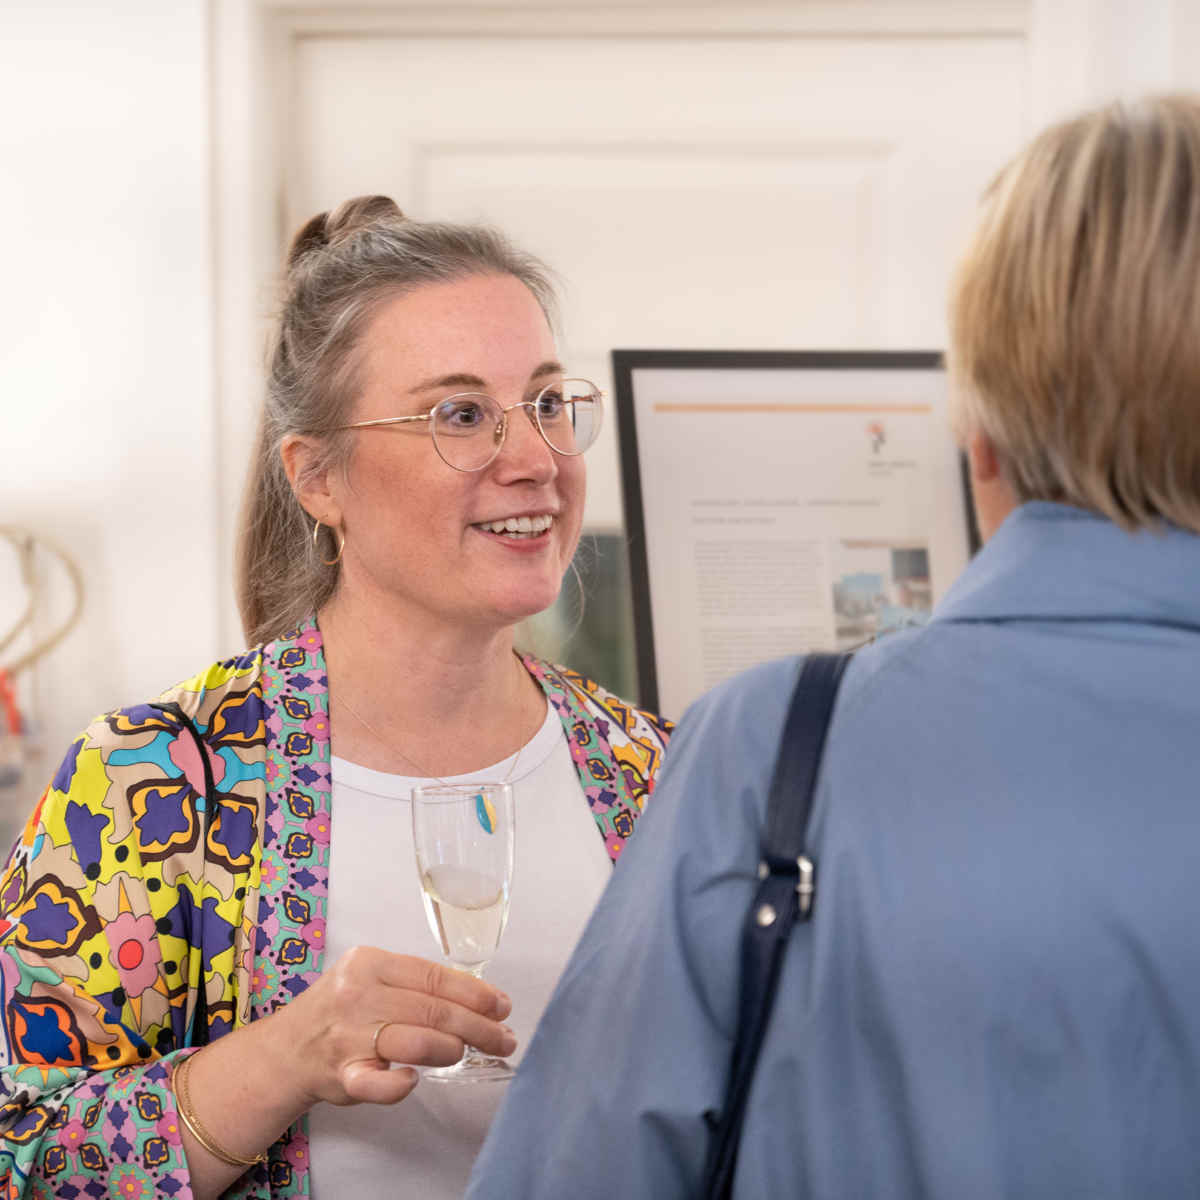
626 362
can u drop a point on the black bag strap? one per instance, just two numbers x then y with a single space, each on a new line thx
785 894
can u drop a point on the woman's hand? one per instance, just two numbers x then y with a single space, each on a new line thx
251 1085
427 1012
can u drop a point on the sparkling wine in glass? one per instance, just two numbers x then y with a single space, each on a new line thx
463 837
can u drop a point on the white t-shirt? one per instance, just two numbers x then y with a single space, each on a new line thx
425 1145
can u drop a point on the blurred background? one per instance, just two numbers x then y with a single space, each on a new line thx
701 175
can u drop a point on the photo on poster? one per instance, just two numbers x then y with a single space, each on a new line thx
879 586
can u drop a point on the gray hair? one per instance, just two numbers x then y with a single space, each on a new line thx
341 268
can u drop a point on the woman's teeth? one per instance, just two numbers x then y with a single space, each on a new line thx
519 526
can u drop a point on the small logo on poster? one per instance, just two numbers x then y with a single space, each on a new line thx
878 436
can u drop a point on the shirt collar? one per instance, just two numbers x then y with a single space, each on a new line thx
1050 561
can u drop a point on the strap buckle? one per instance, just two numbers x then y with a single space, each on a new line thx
806 881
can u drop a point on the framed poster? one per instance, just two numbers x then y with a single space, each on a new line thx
777 502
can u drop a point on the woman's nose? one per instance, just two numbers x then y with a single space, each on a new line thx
525 453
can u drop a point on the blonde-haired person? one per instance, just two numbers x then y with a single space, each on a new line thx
206 976
998 993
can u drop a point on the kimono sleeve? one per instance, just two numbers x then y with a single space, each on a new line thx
633 1049
99 905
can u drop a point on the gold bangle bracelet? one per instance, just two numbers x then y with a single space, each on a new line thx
183 1102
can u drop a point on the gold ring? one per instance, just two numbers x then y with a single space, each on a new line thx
375 1040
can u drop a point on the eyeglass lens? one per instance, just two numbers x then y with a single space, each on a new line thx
467 428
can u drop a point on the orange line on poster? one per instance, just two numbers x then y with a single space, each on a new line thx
782 407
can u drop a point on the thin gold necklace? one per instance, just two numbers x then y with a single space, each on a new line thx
391 745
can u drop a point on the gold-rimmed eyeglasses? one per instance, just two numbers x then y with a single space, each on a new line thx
469 428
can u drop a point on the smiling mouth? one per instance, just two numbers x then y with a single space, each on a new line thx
519 527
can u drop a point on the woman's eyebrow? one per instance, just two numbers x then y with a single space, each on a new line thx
445 381
548 368
475 383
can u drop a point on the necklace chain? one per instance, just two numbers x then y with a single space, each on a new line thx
391 745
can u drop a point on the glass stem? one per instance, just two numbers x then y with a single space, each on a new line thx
472 1054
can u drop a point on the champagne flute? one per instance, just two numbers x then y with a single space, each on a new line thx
463 838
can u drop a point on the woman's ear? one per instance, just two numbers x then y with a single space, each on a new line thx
310 484
982 457
993 494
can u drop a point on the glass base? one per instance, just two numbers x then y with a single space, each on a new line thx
473 1067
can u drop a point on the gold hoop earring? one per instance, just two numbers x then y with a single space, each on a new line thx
337 558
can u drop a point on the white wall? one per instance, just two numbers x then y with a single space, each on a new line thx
1086 52
107 428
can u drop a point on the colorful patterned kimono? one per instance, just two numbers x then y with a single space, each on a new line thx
171 886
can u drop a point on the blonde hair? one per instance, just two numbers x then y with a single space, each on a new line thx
341 268
1075 315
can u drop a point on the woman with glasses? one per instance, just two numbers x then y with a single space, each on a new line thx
206 976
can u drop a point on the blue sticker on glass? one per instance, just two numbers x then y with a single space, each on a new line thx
486 813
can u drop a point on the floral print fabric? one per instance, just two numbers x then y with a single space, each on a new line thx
182 851
617 749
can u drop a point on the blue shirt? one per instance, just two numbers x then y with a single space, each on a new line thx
999 992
